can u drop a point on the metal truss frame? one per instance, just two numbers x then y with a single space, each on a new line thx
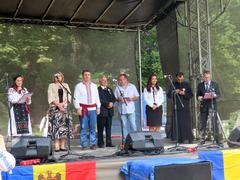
198 22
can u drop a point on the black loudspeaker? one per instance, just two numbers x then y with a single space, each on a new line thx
29 147
195 171
144 141
234 137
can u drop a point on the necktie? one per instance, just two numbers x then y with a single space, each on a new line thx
207 86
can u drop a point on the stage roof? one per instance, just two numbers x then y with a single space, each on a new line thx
117 14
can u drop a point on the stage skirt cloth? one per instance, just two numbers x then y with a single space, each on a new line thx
20 120
58 123
154 117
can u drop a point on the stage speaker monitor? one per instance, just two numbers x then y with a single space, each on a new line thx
144 141
193 171
234 138
29 147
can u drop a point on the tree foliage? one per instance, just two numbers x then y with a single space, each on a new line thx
37 52
225 33
150 56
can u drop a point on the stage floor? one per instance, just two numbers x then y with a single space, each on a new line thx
108 163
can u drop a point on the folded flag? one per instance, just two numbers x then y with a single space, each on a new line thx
144 168
226 163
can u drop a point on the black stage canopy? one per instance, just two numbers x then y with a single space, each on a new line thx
118 14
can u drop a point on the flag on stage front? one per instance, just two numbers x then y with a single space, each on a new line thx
226 164
59 171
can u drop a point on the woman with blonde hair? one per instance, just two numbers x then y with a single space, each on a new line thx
59 99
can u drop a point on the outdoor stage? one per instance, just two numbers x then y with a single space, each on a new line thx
106 164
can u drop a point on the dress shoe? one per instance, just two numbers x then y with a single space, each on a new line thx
101 146
63 149
56 150
220 143
201 142
93 147
83 148
110 145
180 141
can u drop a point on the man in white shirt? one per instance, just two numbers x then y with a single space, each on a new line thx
126 94
87 104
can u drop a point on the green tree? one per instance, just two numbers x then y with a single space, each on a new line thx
150 56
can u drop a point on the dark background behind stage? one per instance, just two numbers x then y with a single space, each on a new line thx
38 52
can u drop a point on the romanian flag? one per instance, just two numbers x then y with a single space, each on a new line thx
226 163
58 171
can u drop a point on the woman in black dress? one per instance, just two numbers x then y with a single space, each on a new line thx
58 114
153 95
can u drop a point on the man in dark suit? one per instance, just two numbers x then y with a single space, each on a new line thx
207 93
104 119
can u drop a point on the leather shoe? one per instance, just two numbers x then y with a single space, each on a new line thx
180 141
93 147
201 142
83 148
56 150
110 145
221 145
101 146
63 149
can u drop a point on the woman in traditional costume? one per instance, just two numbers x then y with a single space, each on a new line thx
19 100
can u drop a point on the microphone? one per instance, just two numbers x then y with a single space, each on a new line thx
122 94
167 76
56 76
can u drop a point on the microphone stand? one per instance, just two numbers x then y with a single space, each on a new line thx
177 147
69 152
214 119
9 109
124 100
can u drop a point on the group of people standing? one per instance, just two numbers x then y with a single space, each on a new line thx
94 105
